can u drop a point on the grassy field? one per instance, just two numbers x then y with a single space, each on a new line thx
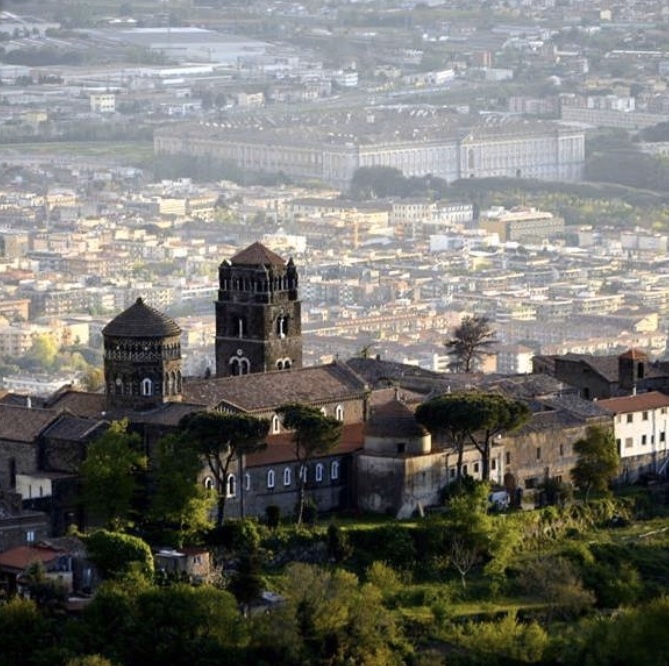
133 153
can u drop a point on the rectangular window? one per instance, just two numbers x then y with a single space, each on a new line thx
30 536
508 457
644 416
629 442
476 468
663 436
538 453
644 439
493 464
451 473
561 449
630 418
530 483
464 470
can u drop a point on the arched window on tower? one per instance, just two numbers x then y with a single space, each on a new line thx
241 327
276 424
270 478
339 413
244 366
282 326
146 387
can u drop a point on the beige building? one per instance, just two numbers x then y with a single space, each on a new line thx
521 225
418 143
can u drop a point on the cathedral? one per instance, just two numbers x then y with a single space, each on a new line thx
385 461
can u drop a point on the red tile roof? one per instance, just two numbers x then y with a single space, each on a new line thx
257 254
280 448
21 557
635 403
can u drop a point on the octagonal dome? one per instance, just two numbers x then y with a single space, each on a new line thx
141 321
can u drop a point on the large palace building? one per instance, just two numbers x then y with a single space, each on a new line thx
418 142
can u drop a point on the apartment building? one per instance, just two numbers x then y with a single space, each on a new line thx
641 423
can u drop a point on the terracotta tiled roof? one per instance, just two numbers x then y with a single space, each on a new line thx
257 254
635 403
17 559
394 419
280 448
81 403
141 321
94 406
635 354
263 391
73 428
22 424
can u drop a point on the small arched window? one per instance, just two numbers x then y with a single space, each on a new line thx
286 476
324 411
208 483
279 364
276 424
270 479
244 366
334 470
287 363
319 472
247 481
231 486
339 413
147 387
303 473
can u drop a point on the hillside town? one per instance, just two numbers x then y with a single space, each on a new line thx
235 210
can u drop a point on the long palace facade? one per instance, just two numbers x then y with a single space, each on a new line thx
515 148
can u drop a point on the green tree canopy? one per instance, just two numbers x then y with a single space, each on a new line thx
471 341
116 554
472 417
110 474
597 461
178 499
220 438
314 434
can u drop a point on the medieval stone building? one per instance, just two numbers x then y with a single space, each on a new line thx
384 462
258 316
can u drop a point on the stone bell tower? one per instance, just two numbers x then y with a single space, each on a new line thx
258 314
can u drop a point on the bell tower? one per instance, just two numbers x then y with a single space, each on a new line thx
258 314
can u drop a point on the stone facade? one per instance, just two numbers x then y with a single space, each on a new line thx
258 314
142 358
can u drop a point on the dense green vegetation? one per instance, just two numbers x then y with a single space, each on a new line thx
582 583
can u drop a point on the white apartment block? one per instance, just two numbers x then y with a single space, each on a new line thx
641 423
102 102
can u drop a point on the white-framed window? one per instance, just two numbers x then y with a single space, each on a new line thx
30 536
304 472
270 478
286 476
339 413
324 411
334 470
319 472
276 424
231 486
247 481
147 387
208 483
